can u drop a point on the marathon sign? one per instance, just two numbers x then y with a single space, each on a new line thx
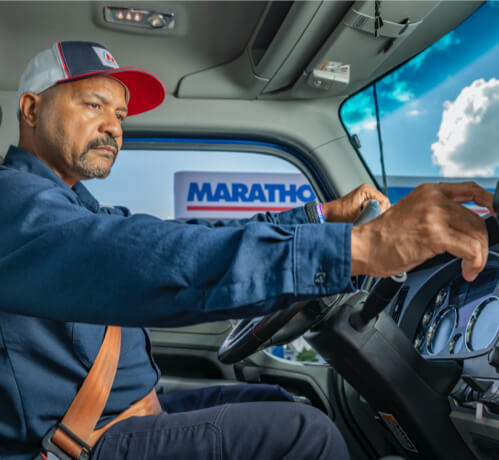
215 195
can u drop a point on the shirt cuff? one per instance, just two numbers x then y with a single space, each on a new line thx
293 216
322 259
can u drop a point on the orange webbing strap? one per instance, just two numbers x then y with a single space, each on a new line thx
88 405
148 405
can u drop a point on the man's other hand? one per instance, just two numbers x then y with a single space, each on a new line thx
347 208
428 221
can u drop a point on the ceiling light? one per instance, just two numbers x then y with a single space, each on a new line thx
156 20
139 18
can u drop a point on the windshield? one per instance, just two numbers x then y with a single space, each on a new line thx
438 113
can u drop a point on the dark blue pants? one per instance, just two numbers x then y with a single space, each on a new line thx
240 422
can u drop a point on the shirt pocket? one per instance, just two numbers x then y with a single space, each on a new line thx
87 340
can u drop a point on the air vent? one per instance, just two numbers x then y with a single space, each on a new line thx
274 18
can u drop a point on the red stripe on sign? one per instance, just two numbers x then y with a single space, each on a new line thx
235 208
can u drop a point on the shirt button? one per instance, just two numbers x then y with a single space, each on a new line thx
320 278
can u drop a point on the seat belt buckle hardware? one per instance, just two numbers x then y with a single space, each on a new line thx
54 452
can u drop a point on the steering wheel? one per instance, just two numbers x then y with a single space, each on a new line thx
250 335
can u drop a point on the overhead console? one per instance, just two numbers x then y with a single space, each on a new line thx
373 30
317 49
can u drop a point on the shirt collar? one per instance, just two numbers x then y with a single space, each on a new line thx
23 160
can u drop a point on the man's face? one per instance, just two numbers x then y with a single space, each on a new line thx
79 129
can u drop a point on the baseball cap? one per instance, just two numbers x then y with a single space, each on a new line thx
75 60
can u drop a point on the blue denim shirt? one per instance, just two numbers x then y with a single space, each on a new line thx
68 267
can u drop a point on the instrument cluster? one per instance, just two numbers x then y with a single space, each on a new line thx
462 319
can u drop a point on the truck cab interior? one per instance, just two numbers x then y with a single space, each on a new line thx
409 368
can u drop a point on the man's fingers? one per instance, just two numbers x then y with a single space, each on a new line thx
471 226
468 191
478 249
469 249
384 203
464 219
370 194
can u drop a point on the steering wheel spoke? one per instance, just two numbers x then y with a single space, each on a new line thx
279 328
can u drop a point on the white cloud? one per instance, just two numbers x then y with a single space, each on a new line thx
396 89
413 113
468 138
369 125
401 93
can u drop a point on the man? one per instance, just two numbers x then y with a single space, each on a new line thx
69 267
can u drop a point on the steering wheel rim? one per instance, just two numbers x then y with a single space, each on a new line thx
284 326
248 335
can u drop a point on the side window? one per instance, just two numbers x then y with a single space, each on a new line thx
435 117
183 184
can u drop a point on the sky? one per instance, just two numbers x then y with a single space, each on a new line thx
446 100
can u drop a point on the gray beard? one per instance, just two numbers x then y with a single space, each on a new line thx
91 171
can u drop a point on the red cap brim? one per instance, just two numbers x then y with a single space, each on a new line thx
145 89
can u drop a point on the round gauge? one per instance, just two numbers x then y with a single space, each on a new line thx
456 343
441 297
483 324
441 330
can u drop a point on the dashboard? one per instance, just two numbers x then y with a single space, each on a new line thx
448 318
462 318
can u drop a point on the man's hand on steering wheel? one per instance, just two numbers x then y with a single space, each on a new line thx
348 208
427 222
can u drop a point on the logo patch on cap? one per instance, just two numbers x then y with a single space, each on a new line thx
105 57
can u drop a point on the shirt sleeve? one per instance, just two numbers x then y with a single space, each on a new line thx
59 260
292 217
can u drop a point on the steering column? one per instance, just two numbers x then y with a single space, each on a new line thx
409 392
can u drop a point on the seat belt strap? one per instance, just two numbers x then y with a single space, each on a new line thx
72 435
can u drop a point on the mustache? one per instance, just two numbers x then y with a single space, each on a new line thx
107 141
